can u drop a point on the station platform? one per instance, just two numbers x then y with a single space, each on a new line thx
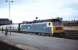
35 42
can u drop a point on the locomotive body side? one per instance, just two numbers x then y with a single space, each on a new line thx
42 27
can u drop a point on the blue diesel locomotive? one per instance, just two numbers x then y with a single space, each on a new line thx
43 27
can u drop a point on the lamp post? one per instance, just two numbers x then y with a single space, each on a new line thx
9 6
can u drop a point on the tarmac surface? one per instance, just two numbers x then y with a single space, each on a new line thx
5 46
35 42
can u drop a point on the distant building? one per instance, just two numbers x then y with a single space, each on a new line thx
5 21
70 23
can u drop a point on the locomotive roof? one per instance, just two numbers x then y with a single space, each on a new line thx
48 20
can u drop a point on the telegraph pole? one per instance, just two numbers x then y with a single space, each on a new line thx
9 10
9 7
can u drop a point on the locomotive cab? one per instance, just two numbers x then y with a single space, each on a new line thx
58 28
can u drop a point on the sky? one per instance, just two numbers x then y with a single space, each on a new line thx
28 10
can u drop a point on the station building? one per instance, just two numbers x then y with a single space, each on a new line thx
5 21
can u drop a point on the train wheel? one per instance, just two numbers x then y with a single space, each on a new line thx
36 33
